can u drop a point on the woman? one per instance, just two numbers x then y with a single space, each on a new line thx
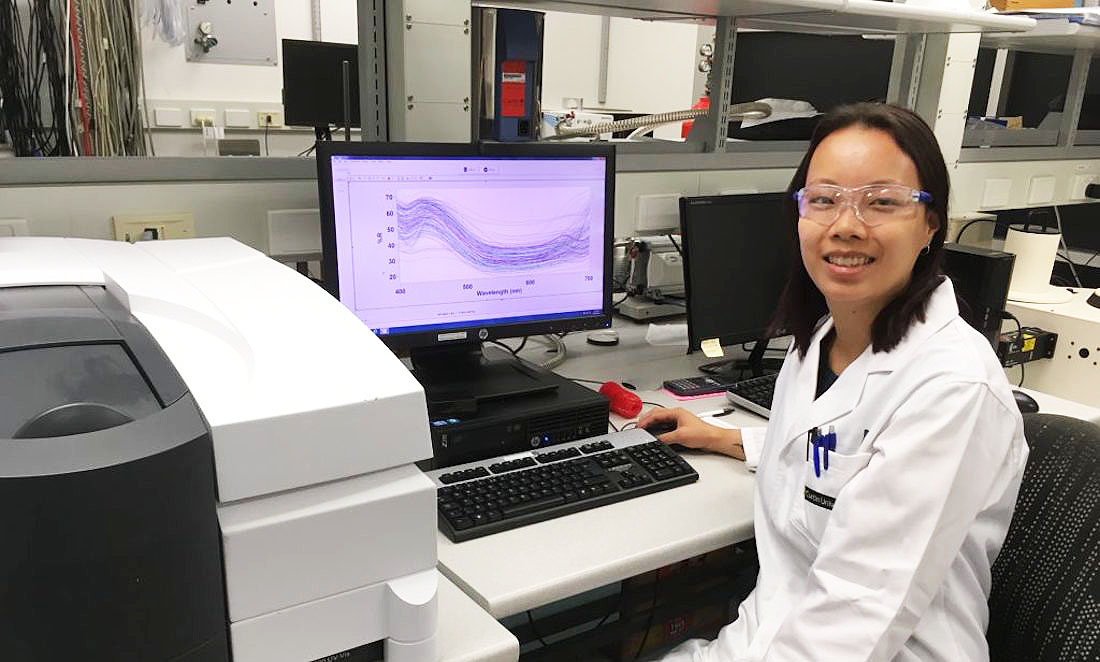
890 466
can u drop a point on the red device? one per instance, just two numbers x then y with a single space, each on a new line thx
623 402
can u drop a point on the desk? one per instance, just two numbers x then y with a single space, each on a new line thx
1050 404
510 572
467 634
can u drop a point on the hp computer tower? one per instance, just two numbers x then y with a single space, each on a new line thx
981 277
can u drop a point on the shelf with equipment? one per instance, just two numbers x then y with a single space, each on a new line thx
1052 36
816 16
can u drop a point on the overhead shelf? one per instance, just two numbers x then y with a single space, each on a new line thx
814 16
1057 36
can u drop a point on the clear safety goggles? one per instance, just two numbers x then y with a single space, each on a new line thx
874 205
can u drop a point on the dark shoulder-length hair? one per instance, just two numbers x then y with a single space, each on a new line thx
801 305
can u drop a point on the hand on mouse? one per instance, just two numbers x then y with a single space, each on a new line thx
692 432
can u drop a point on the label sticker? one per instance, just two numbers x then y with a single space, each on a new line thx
820 500
513 88
712 348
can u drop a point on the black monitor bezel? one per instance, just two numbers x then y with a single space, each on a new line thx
426 339
687 240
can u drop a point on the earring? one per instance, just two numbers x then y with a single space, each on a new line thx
927 249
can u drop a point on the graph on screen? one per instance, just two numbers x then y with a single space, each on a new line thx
442 242
441 238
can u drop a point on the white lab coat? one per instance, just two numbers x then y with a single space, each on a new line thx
930 452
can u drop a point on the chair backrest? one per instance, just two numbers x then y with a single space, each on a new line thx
1045 601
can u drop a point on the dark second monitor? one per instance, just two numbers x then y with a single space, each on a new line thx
737 258
313 83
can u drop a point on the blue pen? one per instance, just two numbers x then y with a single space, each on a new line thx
817 461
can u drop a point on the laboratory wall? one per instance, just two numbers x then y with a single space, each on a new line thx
176 87
651 68
651 65
220 209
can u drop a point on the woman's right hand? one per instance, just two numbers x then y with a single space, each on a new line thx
693 432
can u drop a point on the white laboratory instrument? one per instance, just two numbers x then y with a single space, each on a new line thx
322 532
1074 371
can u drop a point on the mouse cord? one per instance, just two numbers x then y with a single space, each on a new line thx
558 347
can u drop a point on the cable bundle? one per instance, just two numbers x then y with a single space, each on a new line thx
32 94
71 77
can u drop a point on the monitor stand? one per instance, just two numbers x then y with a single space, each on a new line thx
734 369
456 378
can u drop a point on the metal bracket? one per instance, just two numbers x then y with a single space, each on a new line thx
1075 96
713 130
372 71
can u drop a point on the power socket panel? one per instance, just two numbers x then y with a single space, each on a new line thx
275 115
202 117
147 227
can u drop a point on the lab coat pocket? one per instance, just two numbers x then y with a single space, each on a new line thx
821 492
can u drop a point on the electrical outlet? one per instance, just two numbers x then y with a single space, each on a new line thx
202 117
996 193
657 212
1041 190
147 227
269 118
237 118
168 117
13 227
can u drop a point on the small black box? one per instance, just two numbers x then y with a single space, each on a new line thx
566 412
981 277
1027 344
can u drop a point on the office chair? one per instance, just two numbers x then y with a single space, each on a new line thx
1045 601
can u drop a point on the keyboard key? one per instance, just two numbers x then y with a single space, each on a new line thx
596 447
532 506
465 474
510 465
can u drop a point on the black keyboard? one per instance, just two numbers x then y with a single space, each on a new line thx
754 394
481 498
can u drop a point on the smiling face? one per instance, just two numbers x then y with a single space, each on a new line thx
853 265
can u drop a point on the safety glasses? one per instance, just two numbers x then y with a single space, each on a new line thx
874 205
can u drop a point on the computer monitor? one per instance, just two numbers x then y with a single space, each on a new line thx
438 247
313 83
737 258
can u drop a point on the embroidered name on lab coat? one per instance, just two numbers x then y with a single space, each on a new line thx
820 500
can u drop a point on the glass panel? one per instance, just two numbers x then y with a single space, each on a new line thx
823 71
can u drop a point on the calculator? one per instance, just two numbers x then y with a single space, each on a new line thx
704 385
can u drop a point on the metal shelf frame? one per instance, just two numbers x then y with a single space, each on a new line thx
707 148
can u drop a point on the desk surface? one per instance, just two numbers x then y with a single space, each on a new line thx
467 633
509 572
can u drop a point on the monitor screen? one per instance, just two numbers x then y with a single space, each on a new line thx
433 244
313 83
737 257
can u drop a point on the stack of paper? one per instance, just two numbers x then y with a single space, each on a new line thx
1082 15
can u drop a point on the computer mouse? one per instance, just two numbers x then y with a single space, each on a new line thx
659 428
1025 402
